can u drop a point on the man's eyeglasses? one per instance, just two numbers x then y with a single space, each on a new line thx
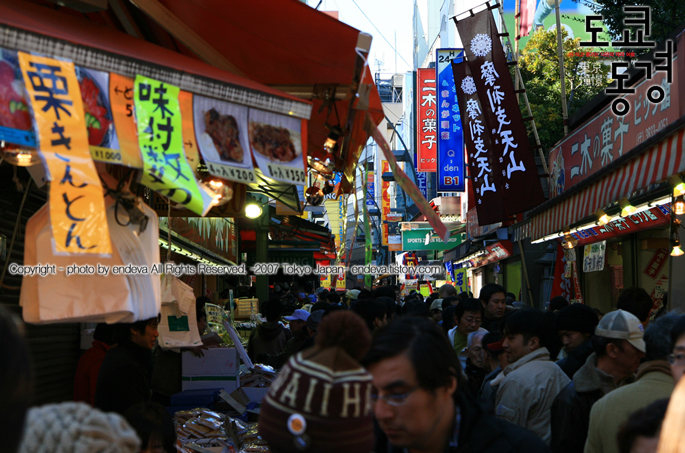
394 399
470 320
477 350
677 359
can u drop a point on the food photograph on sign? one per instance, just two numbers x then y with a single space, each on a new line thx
276 142
221 134
94 87
15 118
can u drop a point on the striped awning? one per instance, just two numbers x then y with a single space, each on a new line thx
653 166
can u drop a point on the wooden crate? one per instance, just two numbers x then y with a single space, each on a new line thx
246 308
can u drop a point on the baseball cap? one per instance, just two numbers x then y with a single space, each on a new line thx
301 296
436 305
314 319
352 294
621 325
496 346
299 315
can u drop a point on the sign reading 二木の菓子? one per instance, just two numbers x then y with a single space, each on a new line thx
426 126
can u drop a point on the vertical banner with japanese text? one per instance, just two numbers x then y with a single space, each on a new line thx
482 157
461 283
77 205
368 243
426 121
515 174
385 201
451 138
121 103
165 167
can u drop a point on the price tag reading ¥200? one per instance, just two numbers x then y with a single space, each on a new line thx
287 174
230 173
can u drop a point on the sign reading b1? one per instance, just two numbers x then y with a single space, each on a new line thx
450 134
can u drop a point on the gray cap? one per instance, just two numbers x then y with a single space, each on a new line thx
314 320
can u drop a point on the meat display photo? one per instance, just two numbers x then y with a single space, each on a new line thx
94 91
224 132
14 111
222 137
273 142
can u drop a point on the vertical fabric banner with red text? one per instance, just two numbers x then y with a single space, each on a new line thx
515 174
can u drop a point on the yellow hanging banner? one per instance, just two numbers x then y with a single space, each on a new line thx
77 206
160 137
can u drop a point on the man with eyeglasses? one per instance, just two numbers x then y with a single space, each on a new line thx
654 382
420 399
467 317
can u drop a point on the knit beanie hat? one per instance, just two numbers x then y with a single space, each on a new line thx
576 317
77 427
321 400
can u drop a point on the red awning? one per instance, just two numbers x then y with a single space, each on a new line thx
654 165
293 47
84 32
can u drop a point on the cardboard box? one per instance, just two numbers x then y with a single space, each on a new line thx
218 369
256 394
228 383
216 362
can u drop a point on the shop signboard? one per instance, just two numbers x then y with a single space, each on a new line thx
221 133
594 257
474 230
656 263
450 270
654 217
15 117
415 240
292 257
606 136
385 201
461 280
165 168
421 180
493 253
325 281
77 207
394 234
426 121
450 138
277 146
370 189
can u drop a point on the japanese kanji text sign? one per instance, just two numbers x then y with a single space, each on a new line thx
515 175
450 136
482 157
121 102
77 206
427 126
165 168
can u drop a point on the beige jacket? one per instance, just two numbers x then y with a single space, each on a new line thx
527 390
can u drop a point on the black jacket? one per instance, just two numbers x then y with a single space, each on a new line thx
124 378
482 432
576 358
571 407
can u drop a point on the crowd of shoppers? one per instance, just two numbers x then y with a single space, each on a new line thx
371 371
